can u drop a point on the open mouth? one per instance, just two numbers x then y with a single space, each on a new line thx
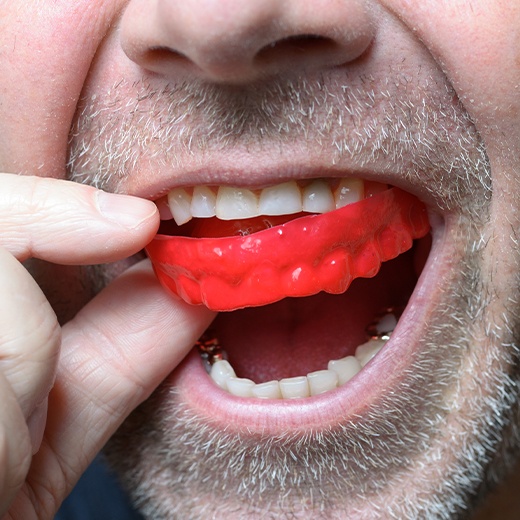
316 275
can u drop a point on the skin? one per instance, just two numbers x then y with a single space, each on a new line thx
67 383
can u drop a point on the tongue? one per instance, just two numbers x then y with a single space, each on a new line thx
299 335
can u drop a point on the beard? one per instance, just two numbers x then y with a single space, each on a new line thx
445 431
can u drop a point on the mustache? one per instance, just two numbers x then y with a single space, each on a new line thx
414 126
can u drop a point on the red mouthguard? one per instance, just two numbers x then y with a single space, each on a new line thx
299 258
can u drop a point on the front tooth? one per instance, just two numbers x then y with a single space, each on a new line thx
366 351
294 387
220 372
346 368
322 381
317 197
203 202
236 203
269 390
348 192
240 386
180 201
282 199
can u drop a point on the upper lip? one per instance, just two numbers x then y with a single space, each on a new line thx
252 177
422 159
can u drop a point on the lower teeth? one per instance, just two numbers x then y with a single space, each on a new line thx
338 372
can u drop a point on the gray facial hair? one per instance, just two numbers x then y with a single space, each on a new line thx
193 470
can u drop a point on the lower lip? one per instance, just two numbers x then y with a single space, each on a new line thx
348 402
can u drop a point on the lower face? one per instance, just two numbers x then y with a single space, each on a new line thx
426 423
418 431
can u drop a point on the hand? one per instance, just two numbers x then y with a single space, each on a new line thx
64 391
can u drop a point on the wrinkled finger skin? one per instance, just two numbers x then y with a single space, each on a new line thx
58 223
61 222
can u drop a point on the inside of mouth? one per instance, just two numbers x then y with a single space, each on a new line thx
214 227
305 345
296 336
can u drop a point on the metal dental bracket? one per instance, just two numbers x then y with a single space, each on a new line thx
210 349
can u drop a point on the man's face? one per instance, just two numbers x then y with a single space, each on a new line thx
144 97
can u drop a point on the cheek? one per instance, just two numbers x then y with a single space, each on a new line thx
41 77
477 45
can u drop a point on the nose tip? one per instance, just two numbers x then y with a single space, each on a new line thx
232 41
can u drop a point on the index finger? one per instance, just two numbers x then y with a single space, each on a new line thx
113 356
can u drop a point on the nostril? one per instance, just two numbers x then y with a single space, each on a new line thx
291 46
159 54
300 41
295 47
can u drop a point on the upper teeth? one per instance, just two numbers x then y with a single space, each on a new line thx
229 203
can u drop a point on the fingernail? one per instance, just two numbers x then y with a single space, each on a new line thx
36 424
127 211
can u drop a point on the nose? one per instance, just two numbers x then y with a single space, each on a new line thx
238 41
